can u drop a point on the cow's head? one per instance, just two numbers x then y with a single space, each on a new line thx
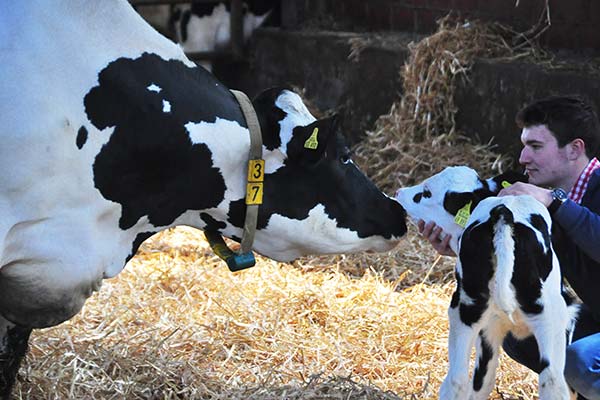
449 196
316 200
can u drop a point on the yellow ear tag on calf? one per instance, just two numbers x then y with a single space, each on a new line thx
462 216
505 184
312 142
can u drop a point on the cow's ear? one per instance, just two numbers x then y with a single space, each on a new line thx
310 143
505 179
453 202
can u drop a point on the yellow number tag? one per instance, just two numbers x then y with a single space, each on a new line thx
462 216
312 142
505 184
254 193
256 170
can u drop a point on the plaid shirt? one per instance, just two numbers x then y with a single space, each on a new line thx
578 190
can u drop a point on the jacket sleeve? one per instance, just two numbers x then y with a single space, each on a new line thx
582 225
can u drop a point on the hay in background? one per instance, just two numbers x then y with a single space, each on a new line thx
176 324
419 136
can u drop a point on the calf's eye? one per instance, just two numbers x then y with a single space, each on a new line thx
345 159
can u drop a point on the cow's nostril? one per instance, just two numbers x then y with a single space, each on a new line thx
417 197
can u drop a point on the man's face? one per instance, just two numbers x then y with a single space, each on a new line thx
544 162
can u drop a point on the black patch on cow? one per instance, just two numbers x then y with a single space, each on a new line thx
256 7
16 340
544 363
476 250
137 242
269 116
212 224
539 223
532 267
185 20
312 177
482 366
82 135
510 177
149 165
454 201
456 294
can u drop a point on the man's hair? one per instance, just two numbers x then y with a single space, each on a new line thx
567 117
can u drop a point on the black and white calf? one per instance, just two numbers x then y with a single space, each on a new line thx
110 134
508 278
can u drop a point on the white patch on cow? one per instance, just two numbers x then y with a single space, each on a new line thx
154 88
296 115
229 143
166 106
317 234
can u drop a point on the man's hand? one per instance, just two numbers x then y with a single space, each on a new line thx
542 195
432 232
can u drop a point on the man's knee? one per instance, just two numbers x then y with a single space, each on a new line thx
582 368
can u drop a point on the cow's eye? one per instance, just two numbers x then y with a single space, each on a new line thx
426 193
345 159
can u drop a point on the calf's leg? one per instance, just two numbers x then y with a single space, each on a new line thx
461 340
487 355
13 346
549 329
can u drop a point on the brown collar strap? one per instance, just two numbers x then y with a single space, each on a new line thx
254 193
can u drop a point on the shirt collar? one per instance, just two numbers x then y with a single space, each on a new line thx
578 190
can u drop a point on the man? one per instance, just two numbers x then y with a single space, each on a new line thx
561 135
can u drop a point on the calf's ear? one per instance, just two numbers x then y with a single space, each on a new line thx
310 143
498 182
454 201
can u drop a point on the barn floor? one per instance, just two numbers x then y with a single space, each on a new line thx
176 324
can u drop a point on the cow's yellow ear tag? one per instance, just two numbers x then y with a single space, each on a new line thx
505 184
462 216
312 142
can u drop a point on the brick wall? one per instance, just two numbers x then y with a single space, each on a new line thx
575 23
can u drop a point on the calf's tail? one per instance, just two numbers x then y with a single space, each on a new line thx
504 250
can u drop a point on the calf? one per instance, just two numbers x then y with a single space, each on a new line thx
508 278
110 134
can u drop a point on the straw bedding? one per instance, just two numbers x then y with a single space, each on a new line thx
176 324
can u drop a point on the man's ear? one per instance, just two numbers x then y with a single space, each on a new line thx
309 143
575 149
499 182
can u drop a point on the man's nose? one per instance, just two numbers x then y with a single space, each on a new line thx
524 157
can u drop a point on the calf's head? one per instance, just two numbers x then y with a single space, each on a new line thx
316 200
448 197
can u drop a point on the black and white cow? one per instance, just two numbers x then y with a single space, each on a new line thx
508 278
110 134
206 26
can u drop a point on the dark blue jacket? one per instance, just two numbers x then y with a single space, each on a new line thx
576 240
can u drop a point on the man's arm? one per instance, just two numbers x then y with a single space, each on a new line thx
581 224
